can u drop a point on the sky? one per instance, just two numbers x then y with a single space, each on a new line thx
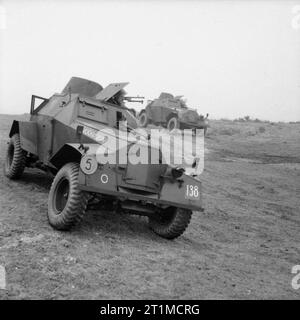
228 58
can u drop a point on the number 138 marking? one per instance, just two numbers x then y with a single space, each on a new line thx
192 192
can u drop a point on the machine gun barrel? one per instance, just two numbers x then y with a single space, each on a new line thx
134 99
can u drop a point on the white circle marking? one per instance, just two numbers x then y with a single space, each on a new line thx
104 178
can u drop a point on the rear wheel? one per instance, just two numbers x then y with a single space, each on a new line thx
132 111
67 203
173 123
143 119
15 160
170 223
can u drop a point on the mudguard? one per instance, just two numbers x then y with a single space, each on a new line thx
28 135
72 152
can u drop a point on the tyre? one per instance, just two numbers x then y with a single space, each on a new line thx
67 203
171 222
173 123
132 111
15 159
143 119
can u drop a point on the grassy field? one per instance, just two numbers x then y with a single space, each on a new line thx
242 246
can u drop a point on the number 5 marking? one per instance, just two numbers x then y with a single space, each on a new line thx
88 164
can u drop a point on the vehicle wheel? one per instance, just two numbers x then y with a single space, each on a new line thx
173 123
66 203
143 119
15 160
132 111
171 222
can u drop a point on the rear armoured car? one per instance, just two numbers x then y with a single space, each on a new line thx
61 138
172 113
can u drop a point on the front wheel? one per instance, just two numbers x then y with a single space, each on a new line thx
171 222
173 123
67 203
143 119
15 160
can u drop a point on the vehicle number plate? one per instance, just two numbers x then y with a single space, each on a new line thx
192 192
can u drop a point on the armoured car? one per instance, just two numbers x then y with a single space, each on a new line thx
62 138
172 112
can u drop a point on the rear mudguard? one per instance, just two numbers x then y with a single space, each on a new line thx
28 135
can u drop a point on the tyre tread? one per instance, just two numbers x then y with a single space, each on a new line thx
77 202
18 163
176 226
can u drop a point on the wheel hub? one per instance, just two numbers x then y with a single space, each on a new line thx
61 195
